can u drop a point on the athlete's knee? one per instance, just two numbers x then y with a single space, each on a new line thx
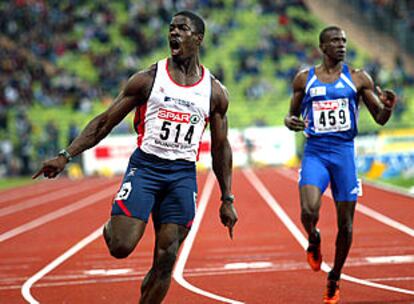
165 263
345 229
309 214
119 248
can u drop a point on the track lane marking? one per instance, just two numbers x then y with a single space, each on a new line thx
384 219
178 276
188 244
294 230
55 263
89 200
101 278
47 198
20 192
370 213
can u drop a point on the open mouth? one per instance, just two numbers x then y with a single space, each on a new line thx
174 44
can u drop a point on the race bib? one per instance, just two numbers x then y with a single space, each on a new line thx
331 115
175 129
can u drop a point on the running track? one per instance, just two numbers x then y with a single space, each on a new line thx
52 251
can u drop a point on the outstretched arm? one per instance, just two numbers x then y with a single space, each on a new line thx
379 105
221 153
135 92
292 119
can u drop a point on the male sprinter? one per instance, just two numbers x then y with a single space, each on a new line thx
174 99
327 98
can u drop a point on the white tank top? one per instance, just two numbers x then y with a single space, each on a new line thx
171 123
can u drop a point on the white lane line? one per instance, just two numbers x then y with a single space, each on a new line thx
370 213
394 259
123 275
49 197
20 192
188 244
394 279
278 210
89 200
384 219
55 263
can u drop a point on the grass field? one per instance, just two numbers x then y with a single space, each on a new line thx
406 183
10 182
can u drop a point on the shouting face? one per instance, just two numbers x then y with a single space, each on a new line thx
184 40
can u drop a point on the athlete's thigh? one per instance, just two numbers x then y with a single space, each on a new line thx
310 198
125 231
344 180
178 205
137 194
313 172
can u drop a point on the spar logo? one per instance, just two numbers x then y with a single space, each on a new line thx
180 117
326 105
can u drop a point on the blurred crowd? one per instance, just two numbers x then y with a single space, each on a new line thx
41 43
389 16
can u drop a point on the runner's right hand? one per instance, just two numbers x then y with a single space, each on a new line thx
52 167
294 123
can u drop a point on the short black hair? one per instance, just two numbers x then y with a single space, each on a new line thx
195 19
322 35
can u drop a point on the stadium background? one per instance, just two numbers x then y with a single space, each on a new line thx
62 62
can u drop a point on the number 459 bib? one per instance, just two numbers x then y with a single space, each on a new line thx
331 115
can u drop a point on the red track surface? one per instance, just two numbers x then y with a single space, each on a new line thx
274 269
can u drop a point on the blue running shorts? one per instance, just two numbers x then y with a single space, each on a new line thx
333 162
164 188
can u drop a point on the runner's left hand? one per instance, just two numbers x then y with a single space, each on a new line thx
387 97
228 216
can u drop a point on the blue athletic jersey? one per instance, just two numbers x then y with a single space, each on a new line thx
330 110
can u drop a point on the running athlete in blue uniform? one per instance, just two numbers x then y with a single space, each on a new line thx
326 96
174 100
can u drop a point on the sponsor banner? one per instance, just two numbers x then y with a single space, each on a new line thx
388 154
270 145
110 156
263 146
237 145
396 141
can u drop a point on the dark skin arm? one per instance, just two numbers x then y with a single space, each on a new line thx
292 119
221 152
379 105
135 93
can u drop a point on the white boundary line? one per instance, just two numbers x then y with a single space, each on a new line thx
55 263
178 271
371 213
50 197
188 243
278 210
89 200
384 219
35 188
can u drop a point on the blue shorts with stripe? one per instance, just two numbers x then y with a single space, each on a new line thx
330 161
164 188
